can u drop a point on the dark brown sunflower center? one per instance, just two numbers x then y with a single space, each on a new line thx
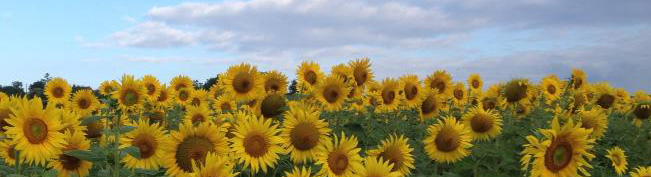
57 92
195 101
35 130
447 140
151 89
481 123
331 93
163 96
475 84
360 75
256 145
272 104
94 129
606 101
198 118
642 112
488 104
272 85
83 103
558 155
192 148
588 123
388 96
69 163
429 105
410 91
458 94
338 162
156 117
147 145
184 95
474 102
304 136
225 106
394 156
438 84
551 89
615 159
515 91
578 82
130 97
310 77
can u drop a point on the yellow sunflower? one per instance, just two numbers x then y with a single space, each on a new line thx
152 87
622 100
396 151
516 90
522 109
441 81
84 102
389 93
459 95
8 152
198 97
303 132
216 90
642 112
431 105
150 139
182 96
107 87
343 71
131 94
448 141
483 124
332 92
413 90
197 114
275 82
57 90
475 83
257 143
67 165
299 172
71 121
243 82
215 166
339 158
3 96
606 96
165 97
641 95
579 79
595 119
180 82
5 113
361 69
190 144
156 116
618 158
563 151
309 75
641 172
552 88
224 103
36 130
375 167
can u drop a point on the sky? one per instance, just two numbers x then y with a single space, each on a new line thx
87 42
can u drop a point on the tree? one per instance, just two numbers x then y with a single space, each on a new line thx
16 88
37 89
210 82
292 88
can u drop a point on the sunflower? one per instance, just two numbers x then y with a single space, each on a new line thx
243 82
523 109
483 124
149 138
413 90
152 87
95 129
606 95
641 172
622 100
563 151
214 166
430 106
475 83
448 141
67 165
180 82
275 82
195 115
70 121
182 96
216 90
131 94
331 92
441 81
516 90
5 114
303 132
107 87
459 95
190 144
642 112
339 158
198 97
641 95
224 103
272 105
84 102
299 172
3 96
57 90
361 70
389 93
257 143
552 88
618 158
595 119
8 152
156 116
36 130
396 151
345 72
309 75
165 97
579 79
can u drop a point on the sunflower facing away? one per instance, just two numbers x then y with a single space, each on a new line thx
618 158
641 172
299 172
215 166
331 92
57 90
275 82
516 90
309 75
448 141
475 83
303 132
195 115
272 104
190 144
563 151
339 158
552 88
483 124
243 82
36 130
107 87
152 87
257 143
181 81
396 151
642 112
389 93
131 94
441 81
149 138
8 152
413 90
595 119
579 79
84 102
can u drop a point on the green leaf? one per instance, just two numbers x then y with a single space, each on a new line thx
16 175
147 172
132 150
85 155
125 129
50 173
90 119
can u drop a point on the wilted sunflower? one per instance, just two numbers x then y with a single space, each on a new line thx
190 144
390 96
459 95
413 90
448 141
107 87
441 81
483 124
606 95
303 132
57 90
198 97
339 158
299 172
257 143
243 82
8 152
275 82
579 79
552 88
36 130
195 115
642 112
272 105
362 73
375 167
618 158
516 90
641 172
152 87
180 82
149 139
131 94
563 151
309 75
84 102
595 119
165 97
331 92
396 151
215 166
67 165
475 83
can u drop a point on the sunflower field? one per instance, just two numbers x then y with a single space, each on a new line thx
345 123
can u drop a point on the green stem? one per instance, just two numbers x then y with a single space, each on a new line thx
116 150
17 155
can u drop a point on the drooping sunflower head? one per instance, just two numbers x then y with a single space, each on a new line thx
196 115
84 102
413 90
595 119
192 144
516 90
272 105
257 143
390 96
57 90
243 82
107 87
152 87
551 87
618 158
361 69
332 92
579 79
309 75
430 106
396 151
339 157
131 94
215 166
642 112
303 132
441 81
181 81
606 96
483 124
149 139
459 95
475 83
275 82
448 141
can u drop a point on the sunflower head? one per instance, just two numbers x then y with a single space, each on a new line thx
396 151
441 81
8 152
448 141
606 96
459 95
131 94
191 144
618 158
332 92
214 166
183 95
107 87
84 102
149 139
516 90
67 165
152 87
474 82
243 82
345 72
303 132
413 90
197 114
579 78
378 167
165 97
641 172
430 106
642 111
275 82
180 82
339 158
389 94
57 90
299 172
309 75
361 70
257 143
595 119
551 87
483 124
272 105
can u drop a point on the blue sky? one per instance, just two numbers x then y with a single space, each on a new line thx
87 42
